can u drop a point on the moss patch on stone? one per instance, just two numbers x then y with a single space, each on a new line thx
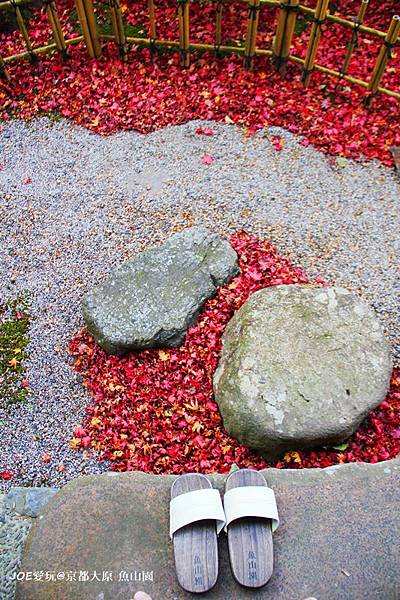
14 338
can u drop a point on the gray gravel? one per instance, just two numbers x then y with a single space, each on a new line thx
95 201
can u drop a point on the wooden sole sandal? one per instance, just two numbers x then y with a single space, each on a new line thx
251 517
196 518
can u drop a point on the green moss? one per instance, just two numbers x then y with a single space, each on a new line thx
302 22
14 339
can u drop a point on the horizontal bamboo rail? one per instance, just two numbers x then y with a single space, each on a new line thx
268 3
42 50
288 11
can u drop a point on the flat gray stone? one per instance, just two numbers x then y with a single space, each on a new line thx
338 538
301 366
152 299
28 501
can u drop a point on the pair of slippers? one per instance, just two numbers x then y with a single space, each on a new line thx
249 516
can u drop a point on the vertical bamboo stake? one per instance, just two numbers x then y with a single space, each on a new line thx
218 26
24 31
354 37
319 17
52 15
152 19
180 22
284 34
251 35
115 27
186 36
183 17
91 21
118 27
384 54
80 9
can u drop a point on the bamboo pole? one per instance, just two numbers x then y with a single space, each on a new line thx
92 25
319 18
52 15
341 21
384 54
42 50
114 25
258 52
284 34
180 23
186 33
251 35
118 27
348 78
183 18
53 27
80 9
354 36
218 26
24 31
152 19
269 3
13 3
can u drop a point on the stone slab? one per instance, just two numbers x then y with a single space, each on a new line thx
338 537
151 300
28 501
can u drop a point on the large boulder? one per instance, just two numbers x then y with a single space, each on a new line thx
301 366
152 299
337 539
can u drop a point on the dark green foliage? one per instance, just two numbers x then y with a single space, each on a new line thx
8 21
302 22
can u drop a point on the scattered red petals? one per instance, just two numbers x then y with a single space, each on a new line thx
278 142
154 410
46 458
151 90
27 180
204 131
207 159
5 475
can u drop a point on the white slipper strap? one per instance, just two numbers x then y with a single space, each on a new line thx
196 506
251 501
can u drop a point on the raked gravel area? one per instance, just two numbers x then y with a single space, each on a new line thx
74 204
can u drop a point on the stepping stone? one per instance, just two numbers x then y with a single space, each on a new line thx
301 366
28 501
395 150
338 538
151 300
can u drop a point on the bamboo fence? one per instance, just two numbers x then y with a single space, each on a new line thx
279 53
